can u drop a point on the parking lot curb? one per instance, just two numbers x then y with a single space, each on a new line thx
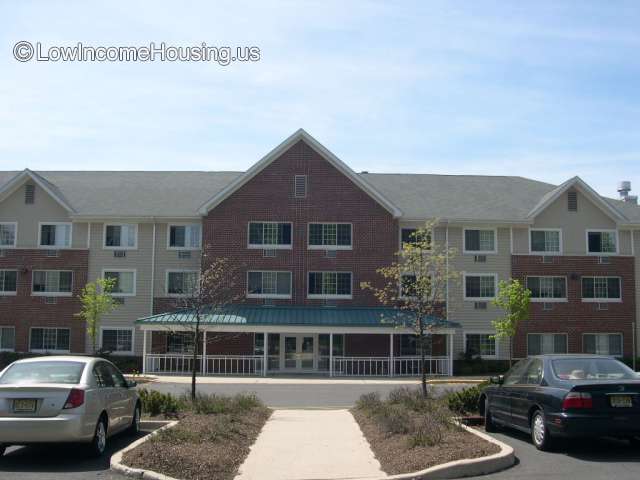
116 459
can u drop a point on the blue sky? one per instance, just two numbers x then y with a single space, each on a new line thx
546 90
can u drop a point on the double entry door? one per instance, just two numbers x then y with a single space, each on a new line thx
299 352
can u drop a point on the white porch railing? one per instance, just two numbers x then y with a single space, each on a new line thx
410 366
361 366
172 363
234 365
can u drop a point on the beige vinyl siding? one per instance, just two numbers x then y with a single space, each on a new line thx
520 241
169 259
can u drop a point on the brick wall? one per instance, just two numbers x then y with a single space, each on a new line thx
24 311
576 317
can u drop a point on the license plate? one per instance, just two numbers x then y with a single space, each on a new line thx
24 405
623 401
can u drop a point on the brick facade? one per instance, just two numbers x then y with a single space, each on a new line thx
576 317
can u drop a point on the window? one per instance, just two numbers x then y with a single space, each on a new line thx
546 241
479 286
546 343
329 285
300 186
180 342
269 284
515 374
56 235
125 282
8 282
117 340
547 289
533 373
480 344
8 234
51 283
269 235
185 237
479 241
124 236
603 343
408 285
49 340
602 242
330 236
7 339
181 283
409 345
601 289
410 236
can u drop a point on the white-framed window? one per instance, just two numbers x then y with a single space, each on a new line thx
8 282
602 242
120 236
547 288
330 236
180 342
270 235
269 284
408 285
7 339
54 234
601 289
480 240
8 234
118 340
546 343
602 343
184 237
480 343
329 285
409 235
52 340
125 281
480 286
52 283
547 241
181 282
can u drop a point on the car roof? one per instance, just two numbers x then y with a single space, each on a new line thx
558 356
60 358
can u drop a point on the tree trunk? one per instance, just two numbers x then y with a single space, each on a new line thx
422 361
194 368
510 352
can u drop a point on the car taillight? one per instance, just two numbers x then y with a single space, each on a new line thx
577 400
75 398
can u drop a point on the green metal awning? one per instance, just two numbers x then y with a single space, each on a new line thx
253 316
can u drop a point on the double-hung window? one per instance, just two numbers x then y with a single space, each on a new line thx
55 235
547 289
601 289
117 340
125 282
269 284
410 236
479 286
330 236
181 282
270 235
8 282
483 344
603 343
185 237
8 234
602 242
546 343
479 241
52 283
121 236
329 285
49 340
546 241
7 339
180 342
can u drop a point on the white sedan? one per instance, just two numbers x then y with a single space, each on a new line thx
65 399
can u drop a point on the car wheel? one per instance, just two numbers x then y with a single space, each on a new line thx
489 424
99 442
135 421
539 432
2 449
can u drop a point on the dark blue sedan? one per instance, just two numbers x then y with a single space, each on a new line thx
564 396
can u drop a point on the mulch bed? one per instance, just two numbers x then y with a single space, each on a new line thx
395 454
201 447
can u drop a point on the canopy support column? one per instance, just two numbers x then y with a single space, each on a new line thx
204 353
450 354
331 354
391 361
144 352
265 356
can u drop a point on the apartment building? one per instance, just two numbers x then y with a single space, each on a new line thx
306 230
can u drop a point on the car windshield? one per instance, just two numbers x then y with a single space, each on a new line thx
592 369
43 372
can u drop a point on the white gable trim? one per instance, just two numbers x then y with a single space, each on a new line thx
586 190
279 150
16 182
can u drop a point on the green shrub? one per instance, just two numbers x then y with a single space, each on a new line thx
208 404
410 398
465 401
369 402
156 403
394 418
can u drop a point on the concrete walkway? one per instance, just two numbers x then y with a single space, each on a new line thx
310 445
312 380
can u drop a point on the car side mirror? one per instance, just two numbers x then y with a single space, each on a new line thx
498 379
131 383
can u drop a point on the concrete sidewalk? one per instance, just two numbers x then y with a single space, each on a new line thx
312 380
306 445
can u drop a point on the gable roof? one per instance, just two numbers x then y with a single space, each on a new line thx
300 134
10 186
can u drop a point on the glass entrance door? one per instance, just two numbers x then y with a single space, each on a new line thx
299 352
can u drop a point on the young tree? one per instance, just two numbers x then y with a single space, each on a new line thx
208 293
514 298
96 301
416 285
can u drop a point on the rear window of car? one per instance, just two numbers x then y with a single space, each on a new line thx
591 369
43 372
